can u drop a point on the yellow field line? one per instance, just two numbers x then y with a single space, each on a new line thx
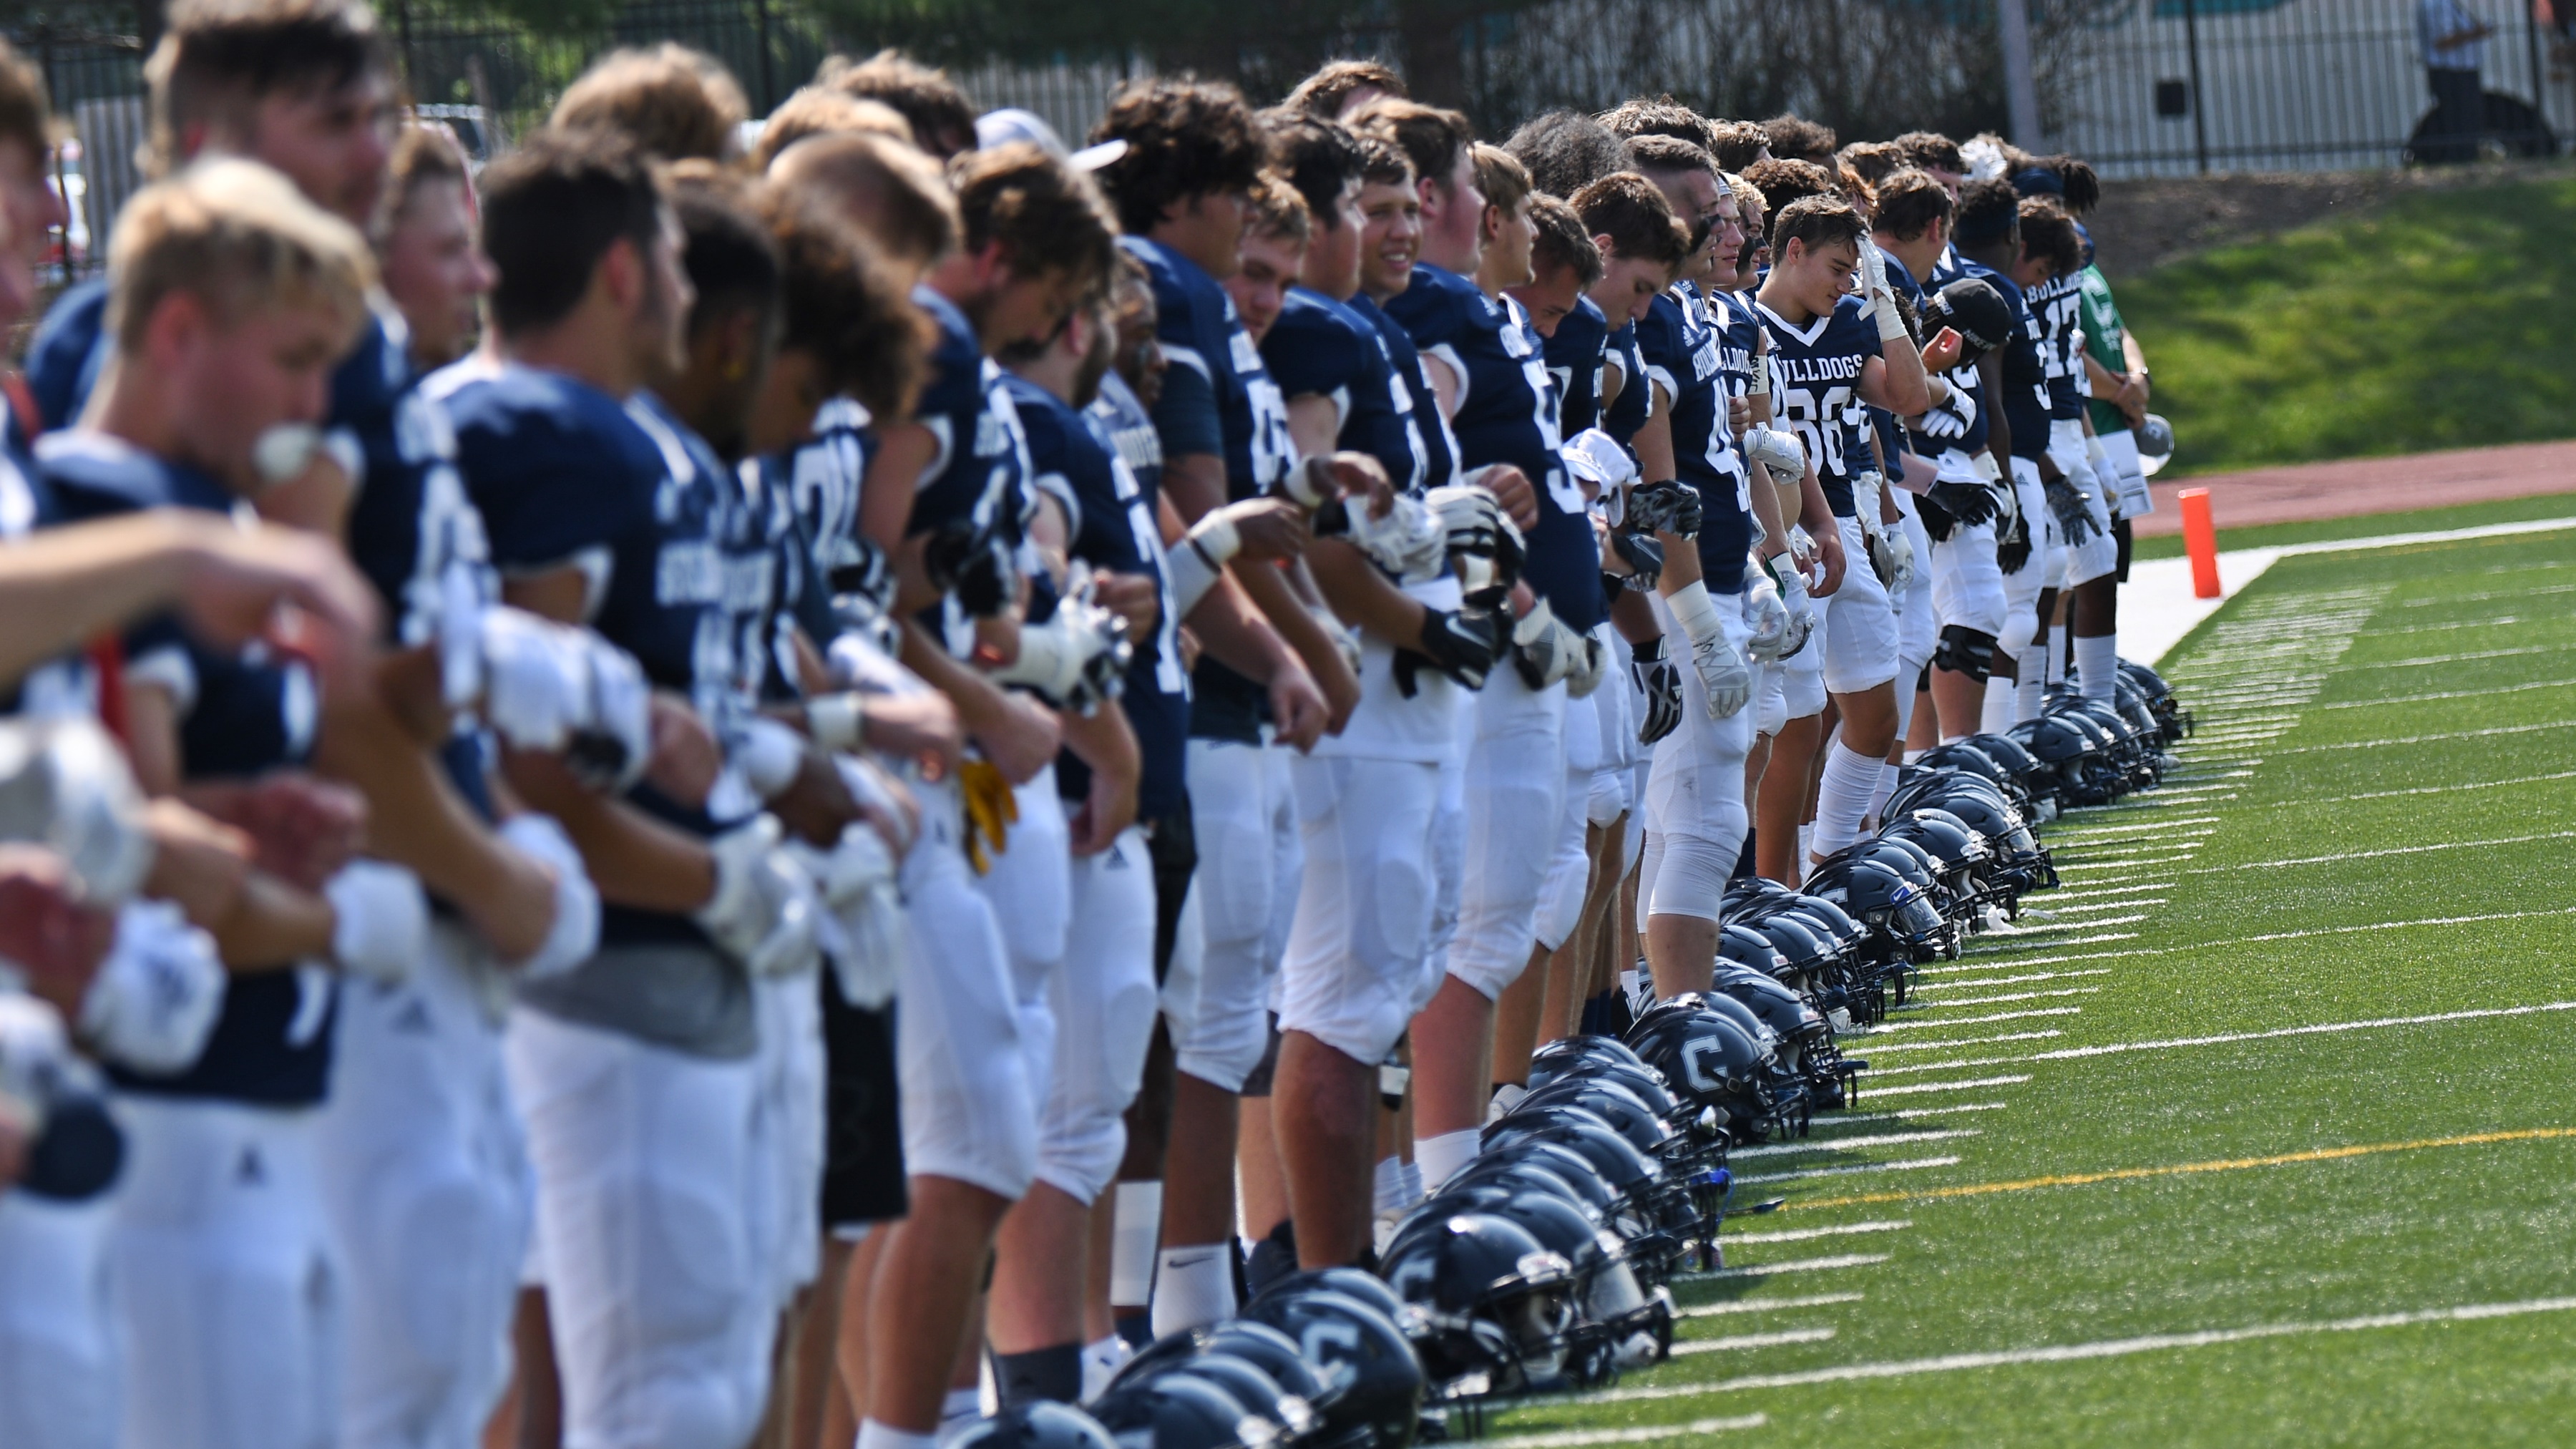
2231 1164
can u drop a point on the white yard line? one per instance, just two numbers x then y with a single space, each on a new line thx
2384 851
1767 1305
2427 739
1851 1143
1880 1031
2440 695
1920 1088
1802 1235
1578 1438
2079 1352
1910 1164
1793 1265
2011 996
1985 981
2331 1028
2485 594
2199 946
1855 1119
2309 803
1683 1348
1925 1046
2464 656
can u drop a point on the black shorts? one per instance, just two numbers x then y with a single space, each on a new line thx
2120 531
863 1177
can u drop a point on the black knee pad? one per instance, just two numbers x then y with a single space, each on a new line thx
1965 651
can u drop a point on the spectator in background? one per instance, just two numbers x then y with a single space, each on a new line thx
2453 43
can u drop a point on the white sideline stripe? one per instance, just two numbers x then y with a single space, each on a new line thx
1801 1235
1923 1087
1766 1305
1851 1143
1793 1265
2011 996
1576 1438
2463 656
1929 1046
2084 908
1685 1347
1972 1020
2422 790
2078 1352
2388 850
1908 1165
2522 568
2449 694
1985 981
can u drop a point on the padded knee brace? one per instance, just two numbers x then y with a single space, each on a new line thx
2017 635
1692 873
1965 651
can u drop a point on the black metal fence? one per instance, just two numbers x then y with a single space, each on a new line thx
2176 86
2140 86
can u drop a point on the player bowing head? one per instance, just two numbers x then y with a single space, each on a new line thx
1037 240
1641 243
1565 264
1276 233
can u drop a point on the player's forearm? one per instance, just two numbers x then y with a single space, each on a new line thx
1766 511
1634 617
1233 632
1653 443
417 820
637 861
1814 513
272 926
1270 592
1195 485
1106 742
65 586
1361 595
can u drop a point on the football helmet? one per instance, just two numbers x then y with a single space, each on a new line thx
1244 1359
1040 1425
1372 1379
1181 1410
1560 1056
2074 771
1651 1209
1494 1307
1715 1063
1806 1043
1619 1323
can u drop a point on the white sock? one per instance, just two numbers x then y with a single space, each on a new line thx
1136 1221
962 1409
1193 1287
2057 654
1388 1189
1442 1156
1842 797
1101 1362
1806 843
873 1435
2097 665
1413 1192
1907 696
2000 704
2028 696
1505 1098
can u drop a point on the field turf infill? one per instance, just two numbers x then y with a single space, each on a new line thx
2372 1246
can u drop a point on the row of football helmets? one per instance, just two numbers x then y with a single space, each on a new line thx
1548 1262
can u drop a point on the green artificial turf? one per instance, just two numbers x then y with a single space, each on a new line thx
2372 525
2442 320
2307 689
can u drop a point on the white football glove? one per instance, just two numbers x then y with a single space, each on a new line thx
1591 665
380 920
1543 648
1721 669
763 911
866 935
1077 658
1596 455
1777 450
1411 542
1802 609
547 686
64 785
574 936
157 995
35 1054
1900 548
1766 618
1882 300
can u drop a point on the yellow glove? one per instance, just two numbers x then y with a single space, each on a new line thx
991 810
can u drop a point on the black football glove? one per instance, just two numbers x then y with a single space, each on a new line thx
2066 501
1970 503
2012 551
1661 683
1462 646
1667 507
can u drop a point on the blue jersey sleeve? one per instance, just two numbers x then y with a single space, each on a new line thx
64 358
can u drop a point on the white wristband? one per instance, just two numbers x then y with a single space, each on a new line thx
1695 612
837 722
769 753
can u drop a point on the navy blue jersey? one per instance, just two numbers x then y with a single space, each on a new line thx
1816 370
1430 431
1113 527
412 531
241 713
1507 413
1628 411
1574 358
1320 347
979 476
65 355
1214 365
818 481
27 503
2025 400
567 476
1685 357
2057 306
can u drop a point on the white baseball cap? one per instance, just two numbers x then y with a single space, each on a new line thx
1009 124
